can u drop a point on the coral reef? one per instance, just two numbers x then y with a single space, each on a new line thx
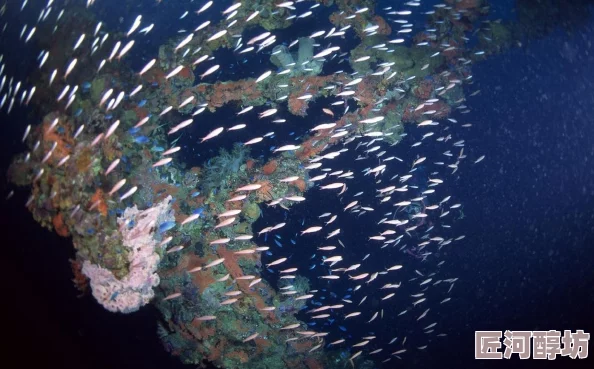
119 245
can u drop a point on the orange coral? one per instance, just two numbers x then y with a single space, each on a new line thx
262 344
81 282
384 28
99 196
155 74
84 160
217 350
59 225
264 193
235 271
64 142
299 184
201 329
308 149
162 190
297 106
220 93
302 345
249 164
141 112
313 363
242 356
293 363
270 167
202 279
231 261
186 73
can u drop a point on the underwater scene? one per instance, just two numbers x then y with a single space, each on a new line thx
299 184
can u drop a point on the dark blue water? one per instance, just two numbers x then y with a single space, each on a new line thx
525 264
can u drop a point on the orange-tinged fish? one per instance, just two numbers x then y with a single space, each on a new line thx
225 222
267 113
190 218
245 252
117 186
212 134
142 122
148 66
181 125
287 148
224 278
332 186
171 151
217 35
112 166
166 241
206 317
129 193
172 296
304 297
327 248
276 262
210 71
112 129
311 230
237 198
253 141
360 276
355 355
175 249
243 237
291 326
254 282
162 162
229 213
251 187
249 338
233 293
174 72
237 127
213 263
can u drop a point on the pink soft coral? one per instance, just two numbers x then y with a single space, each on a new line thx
128 294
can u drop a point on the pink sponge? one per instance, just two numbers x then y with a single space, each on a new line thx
134 290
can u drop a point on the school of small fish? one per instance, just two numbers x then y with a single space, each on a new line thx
404 210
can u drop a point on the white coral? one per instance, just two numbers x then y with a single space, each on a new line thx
128 294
